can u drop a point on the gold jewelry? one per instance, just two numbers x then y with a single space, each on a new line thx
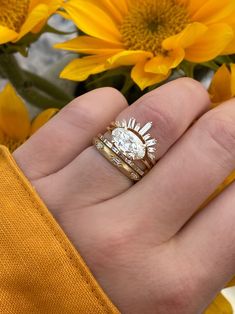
131 144
119 154
115 160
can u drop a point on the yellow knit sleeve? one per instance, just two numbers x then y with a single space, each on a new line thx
40 270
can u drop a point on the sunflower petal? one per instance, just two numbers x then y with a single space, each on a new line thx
129 57
90 45
36 17
1 137
52 5
220 89
92 20
80 69
111 8
192 5
214 11
144 79
212 44
121 5
7 35
186 38
230 49
219 306
163 64
42 119
232 66
14 117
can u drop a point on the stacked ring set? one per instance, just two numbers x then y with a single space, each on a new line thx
129 147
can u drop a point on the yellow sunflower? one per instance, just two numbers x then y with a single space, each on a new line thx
222 87
15 124
18 18
152 36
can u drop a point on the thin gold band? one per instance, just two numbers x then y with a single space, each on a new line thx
115 160
122 156
129 147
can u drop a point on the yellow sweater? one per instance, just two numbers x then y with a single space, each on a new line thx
40 270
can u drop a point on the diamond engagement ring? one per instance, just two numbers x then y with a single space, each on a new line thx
129 147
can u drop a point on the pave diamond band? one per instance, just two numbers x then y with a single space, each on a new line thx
123 157
115 160
129 147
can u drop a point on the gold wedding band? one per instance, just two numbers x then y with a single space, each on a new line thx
129 147
115 160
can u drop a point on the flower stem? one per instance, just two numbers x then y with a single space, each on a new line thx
35 90
127 86
47 87
211 65
188 68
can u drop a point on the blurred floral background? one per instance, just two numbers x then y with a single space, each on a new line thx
52 51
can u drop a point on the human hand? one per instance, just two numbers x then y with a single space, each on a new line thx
142 242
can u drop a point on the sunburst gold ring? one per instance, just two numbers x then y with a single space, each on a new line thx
129 147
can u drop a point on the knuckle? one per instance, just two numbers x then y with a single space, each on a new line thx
115 93
114 96
189 93
78 114
164 120
191 86
81 114
221 129
194 94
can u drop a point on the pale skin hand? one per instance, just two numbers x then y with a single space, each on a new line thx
141 242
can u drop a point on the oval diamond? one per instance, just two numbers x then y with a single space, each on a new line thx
128 143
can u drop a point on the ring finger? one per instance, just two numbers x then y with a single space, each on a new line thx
172 108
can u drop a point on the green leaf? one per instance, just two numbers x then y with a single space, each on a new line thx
223 59
188 68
